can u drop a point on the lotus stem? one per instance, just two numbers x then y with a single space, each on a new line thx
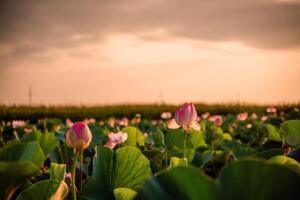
73 184
184 144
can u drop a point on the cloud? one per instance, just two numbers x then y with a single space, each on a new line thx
30 27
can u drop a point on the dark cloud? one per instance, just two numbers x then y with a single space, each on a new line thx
33 26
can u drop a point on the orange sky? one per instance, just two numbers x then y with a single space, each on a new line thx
152 62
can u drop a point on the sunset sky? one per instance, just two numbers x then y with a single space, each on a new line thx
149 51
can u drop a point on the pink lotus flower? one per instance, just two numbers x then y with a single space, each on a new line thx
205 115
18 123
124 121
68 175
116 138
89 121
216 119
271 109
242 116
185 117
166 115
79 136
28 130
69 123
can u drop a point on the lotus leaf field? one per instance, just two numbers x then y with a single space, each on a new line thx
253 156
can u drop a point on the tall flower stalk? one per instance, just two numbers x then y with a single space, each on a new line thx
78 138
73 180
184 145
185 117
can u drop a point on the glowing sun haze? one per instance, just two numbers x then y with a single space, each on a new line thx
111 52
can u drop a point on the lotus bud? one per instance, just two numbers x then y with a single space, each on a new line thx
79 136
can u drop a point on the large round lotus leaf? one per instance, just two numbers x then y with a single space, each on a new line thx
46 190
135 136
273 133
239 149
290 130
175 142
179 183
30 151
175 138
47 141
253 179
13 174
17 163
125 168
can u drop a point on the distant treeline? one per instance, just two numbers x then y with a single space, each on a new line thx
34 113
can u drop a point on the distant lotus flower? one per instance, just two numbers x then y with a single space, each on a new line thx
124 121
69 123
249 126
186 116
264 118
18 123
101 123
90 121
68 175
146 135
154 122
28 130
166 115
242 116
79 136
216 119
116 138
205 115
254 116
271 109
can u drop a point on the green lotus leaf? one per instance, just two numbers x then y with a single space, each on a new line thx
135 136
46 190
127 167
290 130
179 183
17 163
259 180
